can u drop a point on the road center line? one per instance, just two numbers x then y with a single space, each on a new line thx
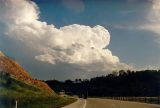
85 103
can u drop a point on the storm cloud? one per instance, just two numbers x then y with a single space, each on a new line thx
82 48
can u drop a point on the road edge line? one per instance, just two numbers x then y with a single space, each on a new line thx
85 103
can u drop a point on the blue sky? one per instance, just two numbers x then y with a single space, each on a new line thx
68 39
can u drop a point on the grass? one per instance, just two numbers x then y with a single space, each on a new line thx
28 96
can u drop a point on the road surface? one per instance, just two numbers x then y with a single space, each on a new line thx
106 103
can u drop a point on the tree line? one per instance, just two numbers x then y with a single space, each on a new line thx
125 83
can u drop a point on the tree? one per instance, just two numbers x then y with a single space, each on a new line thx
122 72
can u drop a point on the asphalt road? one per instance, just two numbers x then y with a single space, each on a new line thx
106 103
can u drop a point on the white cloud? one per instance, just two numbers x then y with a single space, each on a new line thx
75 44
151 27
152 23
45 58
148 67
153 16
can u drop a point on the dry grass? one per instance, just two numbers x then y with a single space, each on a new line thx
16 71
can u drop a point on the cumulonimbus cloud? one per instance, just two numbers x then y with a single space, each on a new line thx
75 44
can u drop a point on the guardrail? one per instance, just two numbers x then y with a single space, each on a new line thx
150 100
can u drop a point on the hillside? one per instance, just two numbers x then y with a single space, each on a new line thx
17 85
17 72
27 96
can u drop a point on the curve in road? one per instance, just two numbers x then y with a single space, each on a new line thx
106 103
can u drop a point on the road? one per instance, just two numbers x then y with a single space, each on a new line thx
106 103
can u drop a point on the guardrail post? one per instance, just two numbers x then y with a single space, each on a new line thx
16 104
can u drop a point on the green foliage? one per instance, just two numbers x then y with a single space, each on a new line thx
123 83
28 96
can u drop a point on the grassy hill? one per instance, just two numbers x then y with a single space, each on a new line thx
15 70
17 84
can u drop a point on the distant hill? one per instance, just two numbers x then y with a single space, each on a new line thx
16 71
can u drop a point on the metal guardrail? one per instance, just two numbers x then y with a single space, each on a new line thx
150 100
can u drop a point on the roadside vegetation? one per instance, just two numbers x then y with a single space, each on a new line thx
27 95
17 85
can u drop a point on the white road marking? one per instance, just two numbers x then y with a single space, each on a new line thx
85 103
16 104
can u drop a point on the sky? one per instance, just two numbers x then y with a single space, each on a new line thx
68 39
